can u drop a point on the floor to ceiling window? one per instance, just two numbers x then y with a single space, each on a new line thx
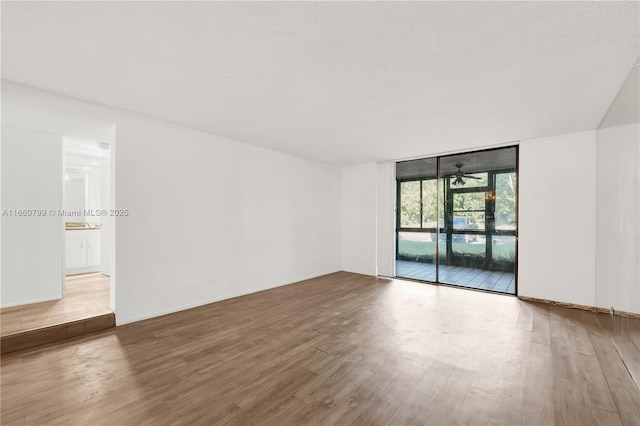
457 219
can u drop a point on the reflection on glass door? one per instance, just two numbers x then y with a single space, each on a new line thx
416 242
457 220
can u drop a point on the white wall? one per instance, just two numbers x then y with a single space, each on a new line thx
224 217
107 222
386 209
618 201
32 247
618 226
557 202
210 218
359 219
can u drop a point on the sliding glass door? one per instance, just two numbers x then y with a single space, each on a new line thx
417 241
457 219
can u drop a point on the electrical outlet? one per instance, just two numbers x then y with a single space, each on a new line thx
193 286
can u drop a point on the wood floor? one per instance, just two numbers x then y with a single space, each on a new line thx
501 282
85 295
339 349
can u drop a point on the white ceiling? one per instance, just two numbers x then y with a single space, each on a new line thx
625 108
341 82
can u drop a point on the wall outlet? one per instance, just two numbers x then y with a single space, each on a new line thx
193 286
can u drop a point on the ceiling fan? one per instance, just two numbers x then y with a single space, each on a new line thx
459 175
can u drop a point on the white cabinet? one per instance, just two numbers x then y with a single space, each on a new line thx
82 251
93 251
75 252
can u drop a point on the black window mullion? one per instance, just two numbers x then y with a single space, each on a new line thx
398 216
421 205
437 234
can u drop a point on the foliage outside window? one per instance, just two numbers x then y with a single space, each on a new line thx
410 204
414 195
506 201
430 203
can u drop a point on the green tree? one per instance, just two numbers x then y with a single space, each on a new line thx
506 200
430 203
410 204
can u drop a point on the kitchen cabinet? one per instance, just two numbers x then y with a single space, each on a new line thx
75 252
82 251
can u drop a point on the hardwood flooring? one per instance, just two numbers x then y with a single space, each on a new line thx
85 295
339 349
83 309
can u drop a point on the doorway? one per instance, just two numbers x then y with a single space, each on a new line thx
457 220
87 247
76 295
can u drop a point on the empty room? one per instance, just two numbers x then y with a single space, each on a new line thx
318 213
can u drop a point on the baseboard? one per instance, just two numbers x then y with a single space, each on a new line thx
581 307
168 311
368 274
619 313
123 320
80 271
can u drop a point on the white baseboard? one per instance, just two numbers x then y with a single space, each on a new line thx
78 271
153 314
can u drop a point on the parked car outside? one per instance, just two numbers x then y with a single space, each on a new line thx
460 223
464 223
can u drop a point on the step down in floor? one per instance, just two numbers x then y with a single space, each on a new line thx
53 333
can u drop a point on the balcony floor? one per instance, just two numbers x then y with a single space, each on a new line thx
502 282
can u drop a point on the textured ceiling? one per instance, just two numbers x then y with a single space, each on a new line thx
341 82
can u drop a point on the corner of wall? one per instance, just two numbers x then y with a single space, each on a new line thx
358 226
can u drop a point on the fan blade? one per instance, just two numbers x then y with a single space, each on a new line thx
471 177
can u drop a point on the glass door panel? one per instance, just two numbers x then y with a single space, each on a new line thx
417 219
457 219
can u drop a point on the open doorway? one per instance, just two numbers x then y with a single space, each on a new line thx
457 220
47 295
87 226
36 128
